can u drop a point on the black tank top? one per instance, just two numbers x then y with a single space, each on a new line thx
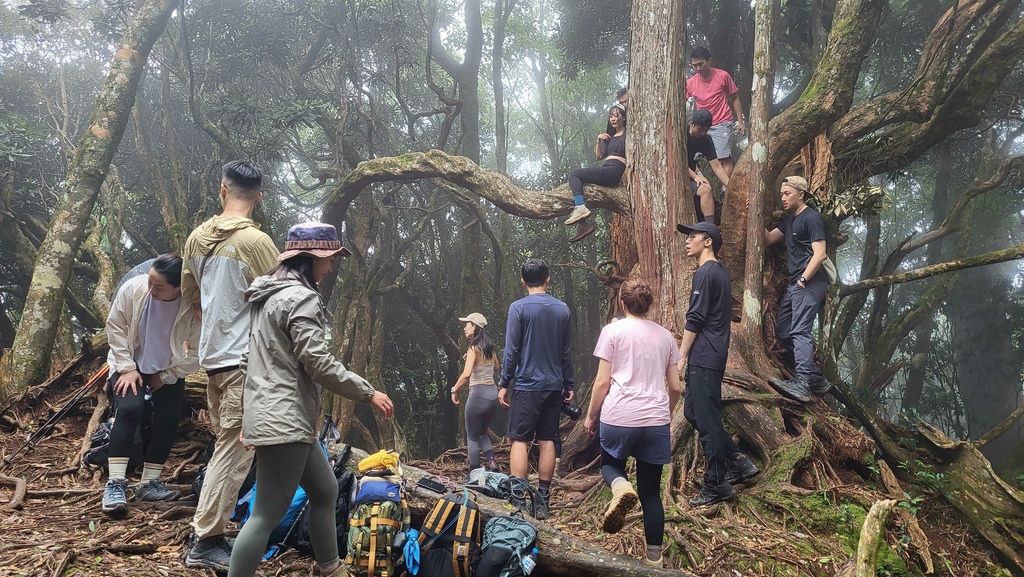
617 146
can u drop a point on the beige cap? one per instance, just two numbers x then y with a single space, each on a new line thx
475 318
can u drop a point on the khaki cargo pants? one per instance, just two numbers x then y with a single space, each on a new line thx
230 462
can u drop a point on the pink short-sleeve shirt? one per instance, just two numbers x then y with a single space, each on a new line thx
713 95
640 352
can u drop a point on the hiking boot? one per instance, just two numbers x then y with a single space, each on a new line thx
579 213
583 230
820 385
491 465
542 508
740 469
624 498
211 553
797 388
710 494
156 490
115 497
659 562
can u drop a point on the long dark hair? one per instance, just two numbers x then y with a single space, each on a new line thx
481 340
622 114
300 264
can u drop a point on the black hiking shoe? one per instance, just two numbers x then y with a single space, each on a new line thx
710 494
115 497
156 490
211 553
741 468
820 385
542 508
797 388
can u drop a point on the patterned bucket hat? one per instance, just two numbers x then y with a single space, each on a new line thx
313 238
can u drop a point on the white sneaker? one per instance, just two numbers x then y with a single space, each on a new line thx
579 213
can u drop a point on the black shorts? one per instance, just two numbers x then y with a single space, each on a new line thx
534 415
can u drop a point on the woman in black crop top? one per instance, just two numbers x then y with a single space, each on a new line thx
610 147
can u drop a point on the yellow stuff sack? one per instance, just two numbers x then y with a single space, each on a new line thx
382 460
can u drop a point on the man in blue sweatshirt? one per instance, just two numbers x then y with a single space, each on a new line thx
538 359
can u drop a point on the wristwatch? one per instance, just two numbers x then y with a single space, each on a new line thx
803 280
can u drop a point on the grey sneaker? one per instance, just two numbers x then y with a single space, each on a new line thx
820 385
579 213
210 553
115 497
156 490
796 388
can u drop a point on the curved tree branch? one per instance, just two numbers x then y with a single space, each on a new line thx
459 170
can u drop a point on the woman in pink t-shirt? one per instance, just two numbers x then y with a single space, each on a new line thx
636 389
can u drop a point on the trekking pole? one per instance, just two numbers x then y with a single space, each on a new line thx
60 414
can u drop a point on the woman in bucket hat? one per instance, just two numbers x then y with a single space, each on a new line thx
482 404
286 368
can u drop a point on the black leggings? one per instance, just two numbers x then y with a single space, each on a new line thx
167 401
608 174
648 488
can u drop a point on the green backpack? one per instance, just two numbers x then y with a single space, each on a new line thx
507 539
380 518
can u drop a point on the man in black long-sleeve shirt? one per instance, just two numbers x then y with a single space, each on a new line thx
705 349
538 359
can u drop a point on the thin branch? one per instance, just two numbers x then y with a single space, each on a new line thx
1000 428
1012 253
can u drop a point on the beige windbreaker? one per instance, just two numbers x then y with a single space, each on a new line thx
287 363
229 252
122 332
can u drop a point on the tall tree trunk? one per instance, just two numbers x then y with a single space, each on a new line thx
33 343
656 149
750 339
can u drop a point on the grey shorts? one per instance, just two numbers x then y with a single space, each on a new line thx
721 135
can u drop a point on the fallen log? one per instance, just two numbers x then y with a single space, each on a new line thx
561 554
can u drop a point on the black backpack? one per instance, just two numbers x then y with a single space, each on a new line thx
450 538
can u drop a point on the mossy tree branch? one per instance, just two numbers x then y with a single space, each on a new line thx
1012 253
461 171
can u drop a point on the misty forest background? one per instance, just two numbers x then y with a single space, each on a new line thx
310 89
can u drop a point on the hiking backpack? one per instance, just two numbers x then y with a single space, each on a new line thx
507 539
298 534
490 483
450 538
376 532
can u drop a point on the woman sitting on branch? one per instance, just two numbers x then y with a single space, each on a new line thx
610 147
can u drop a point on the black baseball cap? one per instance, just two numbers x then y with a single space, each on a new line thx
701 118
707 228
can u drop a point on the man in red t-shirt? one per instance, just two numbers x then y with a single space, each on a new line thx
715 92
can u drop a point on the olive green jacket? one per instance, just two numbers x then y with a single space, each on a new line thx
287 363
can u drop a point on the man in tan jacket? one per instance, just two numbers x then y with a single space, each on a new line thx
222 256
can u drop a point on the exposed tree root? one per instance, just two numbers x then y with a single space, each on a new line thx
18 499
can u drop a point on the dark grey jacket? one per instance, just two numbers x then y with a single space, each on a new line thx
287 364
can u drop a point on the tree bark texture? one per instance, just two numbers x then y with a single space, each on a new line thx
749 333
96 147
656 148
